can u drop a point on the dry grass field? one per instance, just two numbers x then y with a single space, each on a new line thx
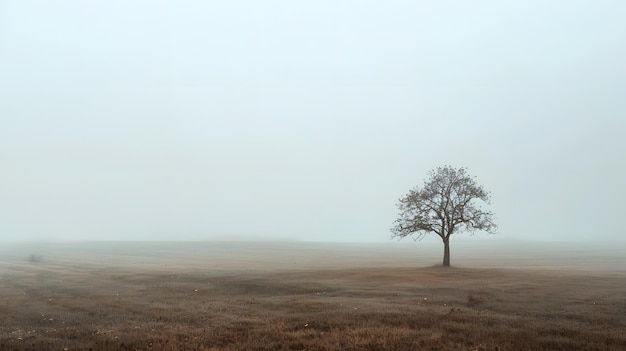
299 296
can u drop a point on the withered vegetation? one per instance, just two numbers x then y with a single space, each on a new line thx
45 306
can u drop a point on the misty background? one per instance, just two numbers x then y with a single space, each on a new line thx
284 120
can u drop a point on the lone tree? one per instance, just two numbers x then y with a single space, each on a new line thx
445 205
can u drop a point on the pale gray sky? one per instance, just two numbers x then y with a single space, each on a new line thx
306 120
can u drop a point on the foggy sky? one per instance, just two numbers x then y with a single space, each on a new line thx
306 120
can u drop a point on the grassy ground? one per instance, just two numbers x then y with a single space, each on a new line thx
131 305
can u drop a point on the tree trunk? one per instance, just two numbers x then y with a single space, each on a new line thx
446 252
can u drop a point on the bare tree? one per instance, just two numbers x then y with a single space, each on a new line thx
445 205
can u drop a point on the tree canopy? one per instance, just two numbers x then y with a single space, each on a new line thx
445 205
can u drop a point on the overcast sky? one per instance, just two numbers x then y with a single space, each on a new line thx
306 120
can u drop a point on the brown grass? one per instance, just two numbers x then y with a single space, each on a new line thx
47 306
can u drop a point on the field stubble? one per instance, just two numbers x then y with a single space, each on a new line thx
52 305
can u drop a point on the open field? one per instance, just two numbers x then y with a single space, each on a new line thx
302 296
